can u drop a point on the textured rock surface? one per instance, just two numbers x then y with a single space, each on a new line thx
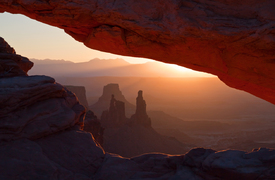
41 139
234 40
40 136
93 125
12 64
43 107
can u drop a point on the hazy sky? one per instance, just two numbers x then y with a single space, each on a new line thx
33 39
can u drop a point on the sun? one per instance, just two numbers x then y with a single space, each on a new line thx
178 68
179 71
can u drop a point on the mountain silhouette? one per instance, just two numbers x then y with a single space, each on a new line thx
106 67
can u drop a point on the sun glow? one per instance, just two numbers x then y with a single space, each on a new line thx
177 67
40 41
173 70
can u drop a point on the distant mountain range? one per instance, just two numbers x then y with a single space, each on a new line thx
108 67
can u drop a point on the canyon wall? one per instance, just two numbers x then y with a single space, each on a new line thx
41 138
103 102
234 40
80 93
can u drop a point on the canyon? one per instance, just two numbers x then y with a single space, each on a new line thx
41 124
242 128
134 136
41 137
235 40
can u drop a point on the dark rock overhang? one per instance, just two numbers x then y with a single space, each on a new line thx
234 40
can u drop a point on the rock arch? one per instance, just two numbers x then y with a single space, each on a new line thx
234 40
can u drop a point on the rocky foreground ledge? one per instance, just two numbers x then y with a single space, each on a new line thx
41 138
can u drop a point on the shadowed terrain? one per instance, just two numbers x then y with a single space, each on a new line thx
41 133
41 137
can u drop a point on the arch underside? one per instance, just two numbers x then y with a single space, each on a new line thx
234 40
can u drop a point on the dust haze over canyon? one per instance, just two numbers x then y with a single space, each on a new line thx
233 40
42 122
197 111
42 133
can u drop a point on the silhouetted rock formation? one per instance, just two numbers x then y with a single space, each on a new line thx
93 125
141 117
40 138
234 40
133 140
12 64
115 116
132 137
80 92
103 102
40 134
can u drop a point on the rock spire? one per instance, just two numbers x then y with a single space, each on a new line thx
103 102
141 117
41 138
115 116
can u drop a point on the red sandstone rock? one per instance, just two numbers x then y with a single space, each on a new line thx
40 138
12 64
232 39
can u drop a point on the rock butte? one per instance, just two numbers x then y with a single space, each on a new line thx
234 40
41 138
